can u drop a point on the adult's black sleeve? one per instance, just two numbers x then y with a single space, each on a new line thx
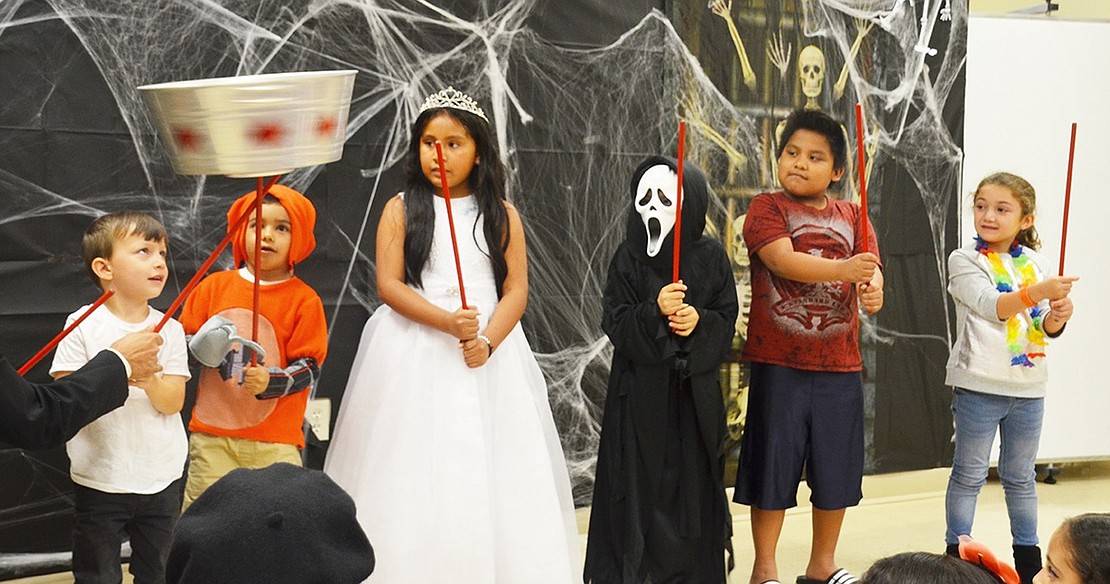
42 415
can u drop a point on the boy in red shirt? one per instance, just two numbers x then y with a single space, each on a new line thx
809 273
252 416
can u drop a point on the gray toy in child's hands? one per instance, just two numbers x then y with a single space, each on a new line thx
216 338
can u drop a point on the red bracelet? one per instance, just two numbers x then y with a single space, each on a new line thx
1026 298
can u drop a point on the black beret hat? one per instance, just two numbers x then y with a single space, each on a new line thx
280 524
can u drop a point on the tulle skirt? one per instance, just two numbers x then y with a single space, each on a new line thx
457 473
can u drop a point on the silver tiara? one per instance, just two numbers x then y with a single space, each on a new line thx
453 99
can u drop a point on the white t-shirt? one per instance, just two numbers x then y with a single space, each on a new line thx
134 448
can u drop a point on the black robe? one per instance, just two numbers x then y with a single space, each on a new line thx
37 416
659 512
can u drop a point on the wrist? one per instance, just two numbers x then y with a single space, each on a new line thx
1055 323
1035 292
126 363
489 344
1027 297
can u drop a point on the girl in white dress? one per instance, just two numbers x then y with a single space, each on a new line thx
445 438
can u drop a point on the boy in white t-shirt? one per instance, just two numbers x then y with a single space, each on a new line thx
127 465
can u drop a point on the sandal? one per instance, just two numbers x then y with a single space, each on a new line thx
840 576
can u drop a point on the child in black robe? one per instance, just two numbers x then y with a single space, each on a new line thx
660 513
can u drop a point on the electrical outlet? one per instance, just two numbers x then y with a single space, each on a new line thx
318 415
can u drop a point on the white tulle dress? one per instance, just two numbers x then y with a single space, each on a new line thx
457 473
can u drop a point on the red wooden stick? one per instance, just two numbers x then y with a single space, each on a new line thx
257 286
678 200
862 177
1067 200
208 262
54 342
450 219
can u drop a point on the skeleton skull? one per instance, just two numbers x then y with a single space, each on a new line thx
656 199
811 71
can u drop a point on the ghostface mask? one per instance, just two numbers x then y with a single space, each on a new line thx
656 202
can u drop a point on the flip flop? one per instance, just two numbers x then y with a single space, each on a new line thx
840 576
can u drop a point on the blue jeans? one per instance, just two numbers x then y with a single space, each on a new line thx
977 416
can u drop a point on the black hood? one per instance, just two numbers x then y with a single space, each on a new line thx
695 203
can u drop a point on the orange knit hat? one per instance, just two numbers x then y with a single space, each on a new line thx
302 216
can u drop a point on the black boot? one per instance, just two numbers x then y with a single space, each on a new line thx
953 549
1027 560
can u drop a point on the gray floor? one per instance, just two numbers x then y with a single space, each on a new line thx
900 512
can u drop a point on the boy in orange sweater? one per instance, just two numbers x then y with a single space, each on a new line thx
252 416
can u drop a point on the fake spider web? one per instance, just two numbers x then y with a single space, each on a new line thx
572 124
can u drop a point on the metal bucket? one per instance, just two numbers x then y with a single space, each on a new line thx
253 125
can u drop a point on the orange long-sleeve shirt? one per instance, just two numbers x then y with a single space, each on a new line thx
291 326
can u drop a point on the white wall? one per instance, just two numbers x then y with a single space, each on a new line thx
1027 81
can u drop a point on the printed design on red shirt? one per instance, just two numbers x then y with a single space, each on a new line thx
814 306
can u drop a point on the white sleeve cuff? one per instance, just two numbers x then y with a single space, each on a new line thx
126 365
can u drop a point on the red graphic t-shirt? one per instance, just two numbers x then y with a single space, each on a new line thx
797 324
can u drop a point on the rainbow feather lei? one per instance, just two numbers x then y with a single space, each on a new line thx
1032 346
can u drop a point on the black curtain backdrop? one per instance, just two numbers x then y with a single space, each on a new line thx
913 417
61 131
61 128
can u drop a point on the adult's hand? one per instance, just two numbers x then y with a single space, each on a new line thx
141 351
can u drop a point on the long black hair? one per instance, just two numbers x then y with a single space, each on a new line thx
486 181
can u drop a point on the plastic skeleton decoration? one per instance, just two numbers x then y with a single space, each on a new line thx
697 122
723 8
862 28
811 64
779 53
656 199
926 32
811 72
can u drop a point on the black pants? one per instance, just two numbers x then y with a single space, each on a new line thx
100 523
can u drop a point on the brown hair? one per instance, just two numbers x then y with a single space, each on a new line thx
1026 197
101 236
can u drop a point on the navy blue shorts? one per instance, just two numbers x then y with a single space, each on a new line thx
795 418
